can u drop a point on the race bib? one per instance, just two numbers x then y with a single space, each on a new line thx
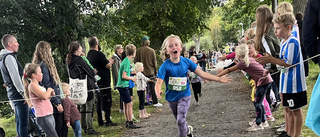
177 83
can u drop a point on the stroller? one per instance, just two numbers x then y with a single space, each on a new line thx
34 129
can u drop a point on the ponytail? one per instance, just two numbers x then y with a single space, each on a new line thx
26 93
246 60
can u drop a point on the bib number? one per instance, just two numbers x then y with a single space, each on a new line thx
177 83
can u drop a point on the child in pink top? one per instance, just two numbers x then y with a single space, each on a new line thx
256 71
254 54
39 97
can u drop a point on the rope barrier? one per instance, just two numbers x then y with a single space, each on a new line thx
8 101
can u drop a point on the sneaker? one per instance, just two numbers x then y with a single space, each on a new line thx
270 118
147 103
93 132
252 122
127 124
284 134
255 127
157 105
190 131
281 129
110 123
132 126
265 124
200 94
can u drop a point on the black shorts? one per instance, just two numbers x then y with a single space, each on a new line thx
131 91
294 101
124 94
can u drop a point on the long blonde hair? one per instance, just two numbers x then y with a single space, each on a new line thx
243 52
264 18
163 53
42 54
29 69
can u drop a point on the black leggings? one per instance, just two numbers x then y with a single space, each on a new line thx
141 95
196 87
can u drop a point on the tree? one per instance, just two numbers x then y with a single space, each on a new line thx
160 18
299 6
215 27
56 21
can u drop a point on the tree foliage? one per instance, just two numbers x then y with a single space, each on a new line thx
160 18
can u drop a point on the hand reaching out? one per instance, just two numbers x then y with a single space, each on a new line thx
225 79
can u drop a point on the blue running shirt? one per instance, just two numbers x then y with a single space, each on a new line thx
175 76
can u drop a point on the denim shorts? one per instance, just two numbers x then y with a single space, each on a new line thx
125 94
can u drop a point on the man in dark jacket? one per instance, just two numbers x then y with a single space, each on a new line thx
104 99
311 29
12 72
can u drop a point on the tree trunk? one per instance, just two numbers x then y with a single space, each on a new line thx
299 6
197 42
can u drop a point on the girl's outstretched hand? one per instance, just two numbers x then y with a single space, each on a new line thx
225 79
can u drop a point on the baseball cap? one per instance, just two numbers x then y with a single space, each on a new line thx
145 38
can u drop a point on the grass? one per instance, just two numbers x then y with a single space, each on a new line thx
117 131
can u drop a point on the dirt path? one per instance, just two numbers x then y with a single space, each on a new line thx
224 111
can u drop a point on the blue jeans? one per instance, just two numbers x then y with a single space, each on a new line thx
77 128
259 108
22 117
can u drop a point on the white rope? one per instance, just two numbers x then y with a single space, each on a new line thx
8 101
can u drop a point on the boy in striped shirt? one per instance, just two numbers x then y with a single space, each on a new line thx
292 78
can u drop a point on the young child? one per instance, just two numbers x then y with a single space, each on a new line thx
292 81
174 71
123 85
40 98
141 88
256 72
254 54
195 81
70 111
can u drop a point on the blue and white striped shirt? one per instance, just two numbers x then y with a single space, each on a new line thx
292 80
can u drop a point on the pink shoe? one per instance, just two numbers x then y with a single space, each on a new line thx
270 118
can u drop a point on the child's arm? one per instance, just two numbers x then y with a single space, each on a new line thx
208 76
158 87
267 58
43 95
124 76
228 70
